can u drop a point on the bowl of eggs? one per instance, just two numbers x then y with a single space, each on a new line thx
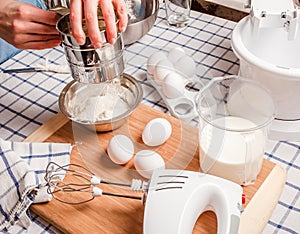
104 106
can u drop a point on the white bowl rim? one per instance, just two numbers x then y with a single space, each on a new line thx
243 53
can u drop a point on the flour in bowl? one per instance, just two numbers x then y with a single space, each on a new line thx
99 102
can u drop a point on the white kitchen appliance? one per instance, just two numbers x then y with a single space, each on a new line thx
267 43
176 198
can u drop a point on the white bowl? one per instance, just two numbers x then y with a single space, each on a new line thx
273 60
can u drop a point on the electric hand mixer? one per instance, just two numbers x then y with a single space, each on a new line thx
177 198
174 198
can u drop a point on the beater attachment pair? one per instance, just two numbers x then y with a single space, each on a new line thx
80 185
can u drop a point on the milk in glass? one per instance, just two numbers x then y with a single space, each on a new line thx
232 148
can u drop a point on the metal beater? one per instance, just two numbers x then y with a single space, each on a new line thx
86 183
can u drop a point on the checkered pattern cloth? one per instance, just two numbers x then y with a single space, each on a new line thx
28 100
22 171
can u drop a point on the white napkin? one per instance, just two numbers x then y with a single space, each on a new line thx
47 66
22 171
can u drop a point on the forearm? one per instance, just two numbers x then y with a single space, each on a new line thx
26 26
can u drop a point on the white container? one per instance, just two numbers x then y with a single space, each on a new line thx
269 57
233 128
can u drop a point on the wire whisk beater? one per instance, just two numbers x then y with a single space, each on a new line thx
75 184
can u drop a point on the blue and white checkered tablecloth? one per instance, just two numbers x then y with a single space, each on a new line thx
27 100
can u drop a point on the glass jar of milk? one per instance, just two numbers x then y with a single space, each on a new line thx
234 118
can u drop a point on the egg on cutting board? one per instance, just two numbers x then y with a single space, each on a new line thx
156 132
120 149
146 161
154 59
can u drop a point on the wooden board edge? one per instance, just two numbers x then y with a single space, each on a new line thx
264 201
48 128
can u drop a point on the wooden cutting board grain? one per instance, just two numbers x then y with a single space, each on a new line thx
120 215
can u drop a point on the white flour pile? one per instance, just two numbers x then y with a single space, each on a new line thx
99 102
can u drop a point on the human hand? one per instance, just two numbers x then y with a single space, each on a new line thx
28 27
89 9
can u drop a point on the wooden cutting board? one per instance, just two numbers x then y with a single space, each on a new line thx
121 215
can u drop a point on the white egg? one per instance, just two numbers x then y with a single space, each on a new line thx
156 132
175 54
154 59
120 149
161 70
146 161
173 85
186 66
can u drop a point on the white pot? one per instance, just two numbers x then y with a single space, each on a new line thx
273 60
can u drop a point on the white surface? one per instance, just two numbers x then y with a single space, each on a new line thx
171 210
285 130
97 192
120 149
182 107
153 59
272 59
185 66
175 54
156 132
161 70
173 85
146 161
275 14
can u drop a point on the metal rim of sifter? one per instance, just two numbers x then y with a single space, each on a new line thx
64 27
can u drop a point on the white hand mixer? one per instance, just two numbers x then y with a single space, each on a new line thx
177 198
174 198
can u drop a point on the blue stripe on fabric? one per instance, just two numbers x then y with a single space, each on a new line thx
291 144
14 132
35 86
283 228
27 99
30 153
51 155
293 186
46 229
288 206
13 187
10 172
6 216
19 114
282 160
